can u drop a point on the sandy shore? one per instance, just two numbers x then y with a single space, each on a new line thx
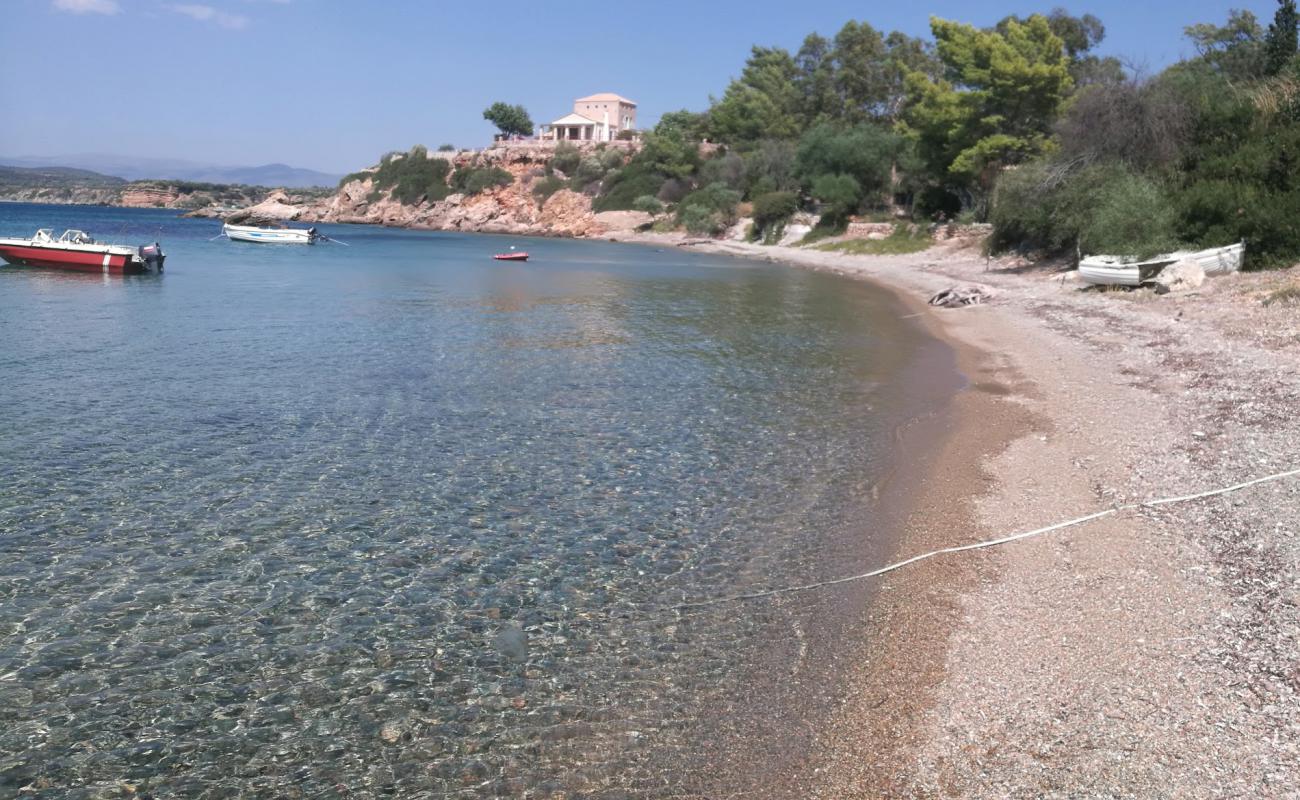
1153 653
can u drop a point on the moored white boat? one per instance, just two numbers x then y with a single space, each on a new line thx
252 233
1128 271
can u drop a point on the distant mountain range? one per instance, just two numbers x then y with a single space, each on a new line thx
132 169
55 177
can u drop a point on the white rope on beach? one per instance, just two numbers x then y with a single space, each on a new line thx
990 543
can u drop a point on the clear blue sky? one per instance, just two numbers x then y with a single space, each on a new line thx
331 84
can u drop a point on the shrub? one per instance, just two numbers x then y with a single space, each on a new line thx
700 220
446 148
904 239
771 168
839 196
566 158
728 170
673 190
409 178
1100 209
611 159
648 204
771 212
708 210
473 180
864 154
588 172
544 188
622 189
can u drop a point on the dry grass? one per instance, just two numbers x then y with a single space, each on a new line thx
1287 294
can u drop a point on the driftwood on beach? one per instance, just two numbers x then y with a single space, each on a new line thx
956 298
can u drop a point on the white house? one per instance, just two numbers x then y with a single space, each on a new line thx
598 118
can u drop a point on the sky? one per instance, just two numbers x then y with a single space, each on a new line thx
333 84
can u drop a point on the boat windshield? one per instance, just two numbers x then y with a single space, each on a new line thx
44 235
76 237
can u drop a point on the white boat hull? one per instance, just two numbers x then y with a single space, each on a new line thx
1124 271
248 233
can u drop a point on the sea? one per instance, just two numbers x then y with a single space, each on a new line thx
386 517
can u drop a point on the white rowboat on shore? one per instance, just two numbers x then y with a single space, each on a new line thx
1128 271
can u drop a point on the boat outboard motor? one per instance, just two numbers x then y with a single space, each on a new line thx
152 255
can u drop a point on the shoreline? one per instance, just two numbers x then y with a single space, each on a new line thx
1150 654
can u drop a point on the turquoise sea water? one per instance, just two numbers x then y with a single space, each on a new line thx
396 519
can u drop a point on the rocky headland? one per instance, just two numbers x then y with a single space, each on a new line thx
516 208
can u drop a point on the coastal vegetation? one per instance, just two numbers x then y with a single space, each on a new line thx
1020 124
907 238
410 178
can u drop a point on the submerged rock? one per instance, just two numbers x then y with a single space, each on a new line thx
512 643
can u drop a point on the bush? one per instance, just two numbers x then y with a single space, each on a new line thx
673 190
729 170
700 221
473 180
708 210
771 168
839 196
1101 209
904 239
622 189
589 171
648 204
864 154
409 178
566 158
446 148
544 188
611 160
771 212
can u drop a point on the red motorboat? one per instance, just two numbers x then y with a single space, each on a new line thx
76 250
511 256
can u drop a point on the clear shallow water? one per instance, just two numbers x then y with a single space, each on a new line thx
396 519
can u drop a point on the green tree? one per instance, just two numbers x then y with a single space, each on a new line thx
860 74
771 167
1079 36
864 153
1280 43
510 120
763 103
1235 49
997 108
840 196
771 212
870 71
815 81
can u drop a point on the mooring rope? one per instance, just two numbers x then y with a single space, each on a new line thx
990 543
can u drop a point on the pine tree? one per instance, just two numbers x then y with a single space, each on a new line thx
1280 45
